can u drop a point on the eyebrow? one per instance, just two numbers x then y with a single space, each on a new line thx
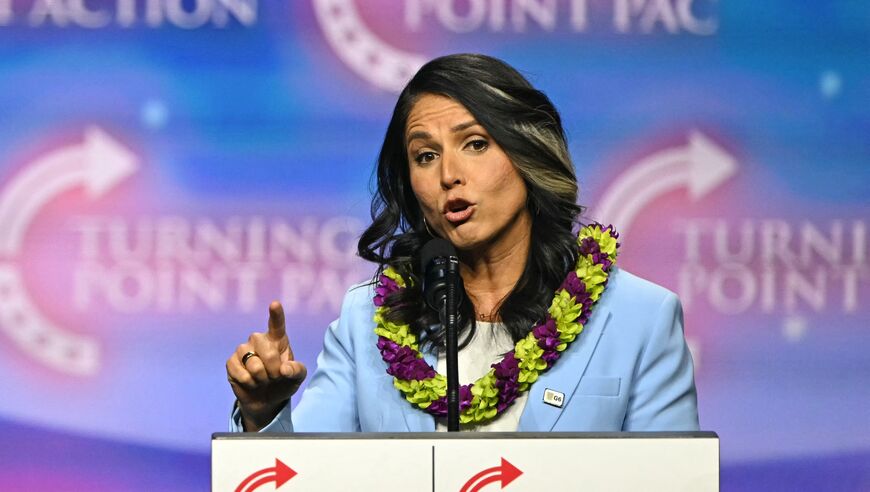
463 126
426 135
419 134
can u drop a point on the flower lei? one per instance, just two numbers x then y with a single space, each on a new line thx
493 393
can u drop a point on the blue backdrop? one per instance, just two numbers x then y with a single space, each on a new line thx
168 167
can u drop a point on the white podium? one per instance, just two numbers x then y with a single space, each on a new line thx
466 462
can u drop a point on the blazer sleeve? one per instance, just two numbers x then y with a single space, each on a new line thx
328 404
664 397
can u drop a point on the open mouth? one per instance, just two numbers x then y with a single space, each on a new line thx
458 210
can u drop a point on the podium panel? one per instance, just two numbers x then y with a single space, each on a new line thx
466 462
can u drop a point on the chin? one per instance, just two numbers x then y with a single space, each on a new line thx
465 239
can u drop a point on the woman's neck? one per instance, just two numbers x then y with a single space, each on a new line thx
490 275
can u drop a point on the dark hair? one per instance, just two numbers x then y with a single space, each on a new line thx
526 125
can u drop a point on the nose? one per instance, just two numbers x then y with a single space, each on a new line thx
451 170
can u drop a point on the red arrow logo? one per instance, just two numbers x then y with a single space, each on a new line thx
506 473
279 474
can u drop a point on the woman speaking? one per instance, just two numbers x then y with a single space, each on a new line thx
554 335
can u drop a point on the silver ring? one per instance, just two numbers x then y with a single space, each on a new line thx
247 356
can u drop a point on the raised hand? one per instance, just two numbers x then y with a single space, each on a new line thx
263 374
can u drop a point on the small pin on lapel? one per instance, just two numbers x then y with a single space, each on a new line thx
553 397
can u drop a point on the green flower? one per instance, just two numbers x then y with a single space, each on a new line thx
422 393
480 410
530 361
528 354
485 388
484 402
608 245
605 241
568 335
400 334
391 273
564 310
593 276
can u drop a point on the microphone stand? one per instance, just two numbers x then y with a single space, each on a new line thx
450 320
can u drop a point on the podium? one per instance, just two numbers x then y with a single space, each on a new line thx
466 462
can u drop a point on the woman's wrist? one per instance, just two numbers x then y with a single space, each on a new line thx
256 418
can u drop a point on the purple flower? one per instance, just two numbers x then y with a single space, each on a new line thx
386 286
598 256
417 369
586 302
403 361
548 339
547 334
387 347
507 368
507 373
589 246
439 406
549 343
573 284
550 357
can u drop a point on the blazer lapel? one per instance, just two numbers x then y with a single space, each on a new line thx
563 377
415 419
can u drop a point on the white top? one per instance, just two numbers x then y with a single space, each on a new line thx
488 346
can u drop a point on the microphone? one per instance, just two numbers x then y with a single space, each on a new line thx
443 291
437 259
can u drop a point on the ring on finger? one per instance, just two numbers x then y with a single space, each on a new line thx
247 356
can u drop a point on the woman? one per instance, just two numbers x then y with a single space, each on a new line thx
556 336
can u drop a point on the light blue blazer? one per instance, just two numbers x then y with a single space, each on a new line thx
629 370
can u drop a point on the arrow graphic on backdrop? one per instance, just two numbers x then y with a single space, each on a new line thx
505 473
700 166
280 474
97 164
367 55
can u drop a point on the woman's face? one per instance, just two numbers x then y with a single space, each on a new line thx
467 187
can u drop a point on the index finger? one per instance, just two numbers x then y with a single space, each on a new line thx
277 331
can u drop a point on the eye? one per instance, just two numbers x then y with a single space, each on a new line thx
477 145
425 157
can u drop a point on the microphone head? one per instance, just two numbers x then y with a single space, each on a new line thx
437 259
435 248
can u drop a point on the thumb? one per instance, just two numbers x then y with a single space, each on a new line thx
293 369
276 331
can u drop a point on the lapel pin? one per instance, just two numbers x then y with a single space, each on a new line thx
553 397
